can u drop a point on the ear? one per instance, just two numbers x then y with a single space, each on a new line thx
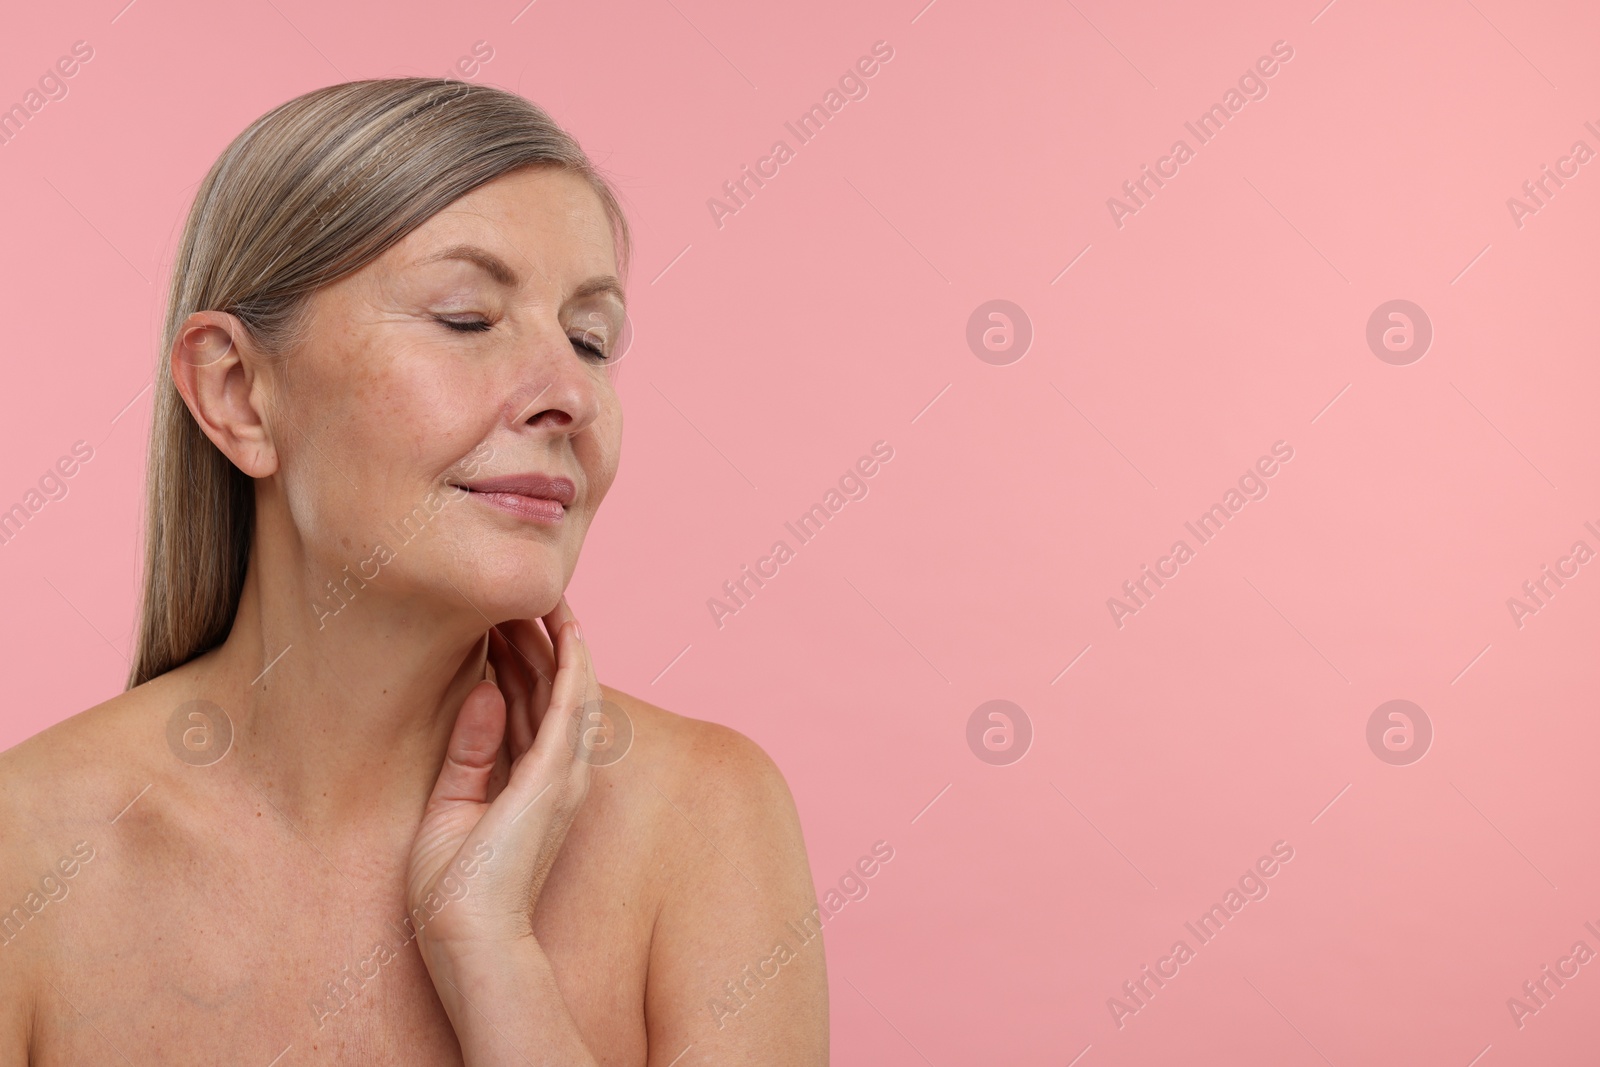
217 372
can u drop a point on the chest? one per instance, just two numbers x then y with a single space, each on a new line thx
277 960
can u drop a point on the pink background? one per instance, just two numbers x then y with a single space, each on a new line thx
1227 314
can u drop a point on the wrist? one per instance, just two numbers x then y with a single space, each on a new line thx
467 953
503 1002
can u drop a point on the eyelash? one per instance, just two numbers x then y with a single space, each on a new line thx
475 326
480 326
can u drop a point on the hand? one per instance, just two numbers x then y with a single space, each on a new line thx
476 867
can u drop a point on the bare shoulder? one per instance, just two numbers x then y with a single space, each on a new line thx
61 794
736 964
92 777
713 769
80 769
721 810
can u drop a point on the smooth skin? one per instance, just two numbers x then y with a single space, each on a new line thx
406 747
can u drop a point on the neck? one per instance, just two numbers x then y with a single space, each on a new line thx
341 708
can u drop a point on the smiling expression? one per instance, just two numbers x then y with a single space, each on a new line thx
462 378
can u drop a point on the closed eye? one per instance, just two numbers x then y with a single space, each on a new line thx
464 325
584 343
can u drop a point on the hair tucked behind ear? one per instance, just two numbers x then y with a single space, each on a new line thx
312 191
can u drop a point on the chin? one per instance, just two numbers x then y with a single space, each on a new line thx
514 585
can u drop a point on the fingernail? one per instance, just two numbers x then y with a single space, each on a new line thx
576 632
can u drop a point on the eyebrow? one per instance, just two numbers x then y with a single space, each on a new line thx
502 273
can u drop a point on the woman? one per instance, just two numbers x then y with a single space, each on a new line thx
357 806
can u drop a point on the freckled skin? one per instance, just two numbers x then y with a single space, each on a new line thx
227 892
432 395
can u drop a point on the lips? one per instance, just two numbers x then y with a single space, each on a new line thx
536 497
534 486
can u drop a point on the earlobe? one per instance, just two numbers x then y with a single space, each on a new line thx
217 374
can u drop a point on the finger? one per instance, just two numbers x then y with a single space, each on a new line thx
558 618
547 788
532 647
534 650
513 677
474 745
569 693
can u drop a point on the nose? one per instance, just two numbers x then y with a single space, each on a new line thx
561 390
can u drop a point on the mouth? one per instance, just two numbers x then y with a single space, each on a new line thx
536 497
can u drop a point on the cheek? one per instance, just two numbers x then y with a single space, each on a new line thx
368 432
394 398
605 453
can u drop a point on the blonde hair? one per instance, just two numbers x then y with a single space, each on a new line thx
312 191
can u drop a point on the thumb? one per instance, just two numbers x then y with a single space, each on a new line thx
474 746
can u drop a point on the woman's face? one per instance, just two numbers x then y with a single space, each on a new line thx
449 425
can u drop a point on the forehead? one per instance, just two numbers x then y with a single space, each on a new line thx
548 217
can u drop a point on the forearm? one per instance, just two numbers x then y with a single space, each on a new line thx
505 1006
